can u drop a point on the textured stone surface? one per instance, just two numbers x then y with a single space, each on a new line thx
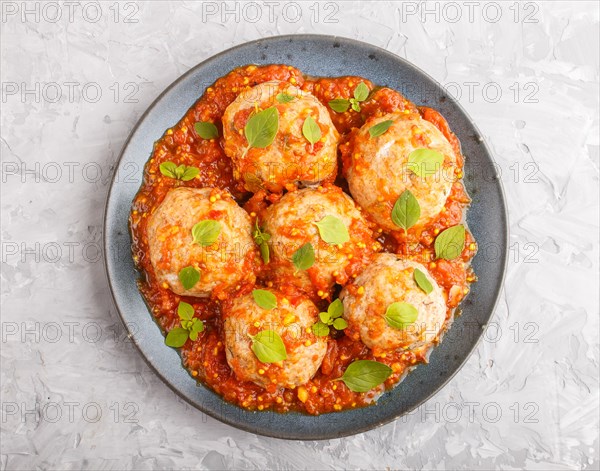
77 395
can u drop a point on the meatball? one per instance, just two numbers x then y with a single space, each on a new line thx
378 171
290 319
389 280
230 260
298 218
290 158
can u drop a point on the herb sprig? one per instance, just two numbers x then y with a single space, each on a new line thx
262 240
341 105
190 327
178 172
333 318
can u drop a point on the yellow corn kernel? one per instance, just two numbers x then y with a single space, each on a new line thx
360 290
289 319
302 394
436 231
261 371
308 343
165 285
213 199
313 389
337 407
472 246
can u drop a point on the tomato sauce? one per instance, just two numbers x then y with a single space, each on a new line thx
205 357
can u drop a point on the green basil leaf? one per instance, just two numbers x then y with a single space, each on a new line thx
406 211
355 105
206 232
177 337
400 315
304 257
264 299
265 252
339 105
261 239
380 128
333 230
185 311
189 173
262 127
198 326
189 276
364 375
422 281
320 329
340 324
268 347
179 171
361 92
311 130
450 243
284 98
335 309
325 317
168 169
206 130
423 162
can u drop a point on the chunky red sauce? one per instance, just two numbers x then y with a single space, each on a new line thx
205 357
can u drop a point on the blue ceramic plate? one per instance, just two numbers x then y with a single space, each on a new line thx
318 56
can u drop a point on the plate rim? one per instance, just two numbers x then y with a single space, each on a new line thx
131 335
